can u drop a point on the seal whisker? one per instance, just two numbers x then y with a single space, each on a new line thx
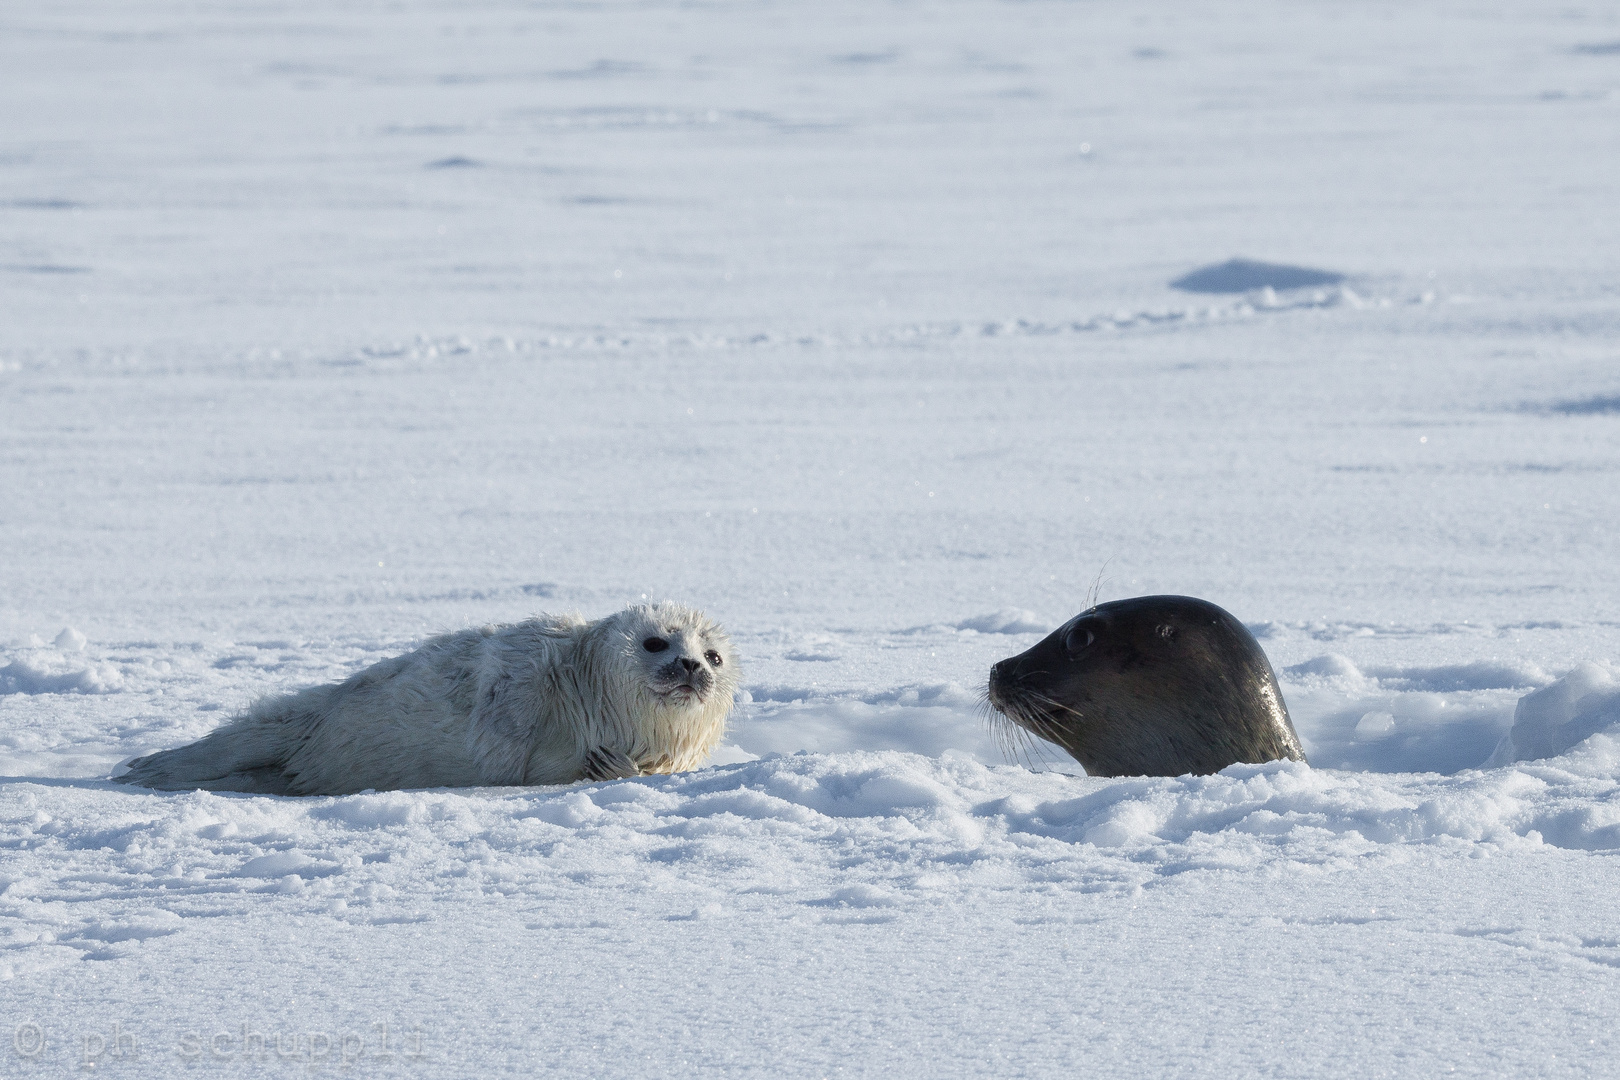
1014 741
1093 593
1055 704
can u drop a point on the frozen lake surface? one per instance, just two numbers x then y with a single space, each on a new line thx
885 334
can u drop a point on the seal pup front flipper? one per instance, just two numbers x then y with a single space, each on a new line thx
606 764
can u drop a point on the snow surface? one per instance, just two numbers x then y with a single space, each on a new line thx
328 326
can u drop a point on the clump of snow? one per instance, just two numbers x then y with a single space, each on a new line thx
281 864
45 675
70 640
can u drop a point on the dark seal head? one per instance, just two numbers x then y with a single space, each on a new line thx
1150 686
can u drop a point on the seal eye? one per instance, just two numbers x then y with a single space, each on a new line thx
1078 639
713 658
655 644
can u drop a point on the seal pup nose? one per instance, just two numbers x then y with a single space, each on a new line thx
689 664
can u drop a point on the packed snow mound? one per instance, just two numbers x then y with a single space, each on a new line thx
1444 718
855 831
1555 718
1327 666
1247 275
1437 679
1007 621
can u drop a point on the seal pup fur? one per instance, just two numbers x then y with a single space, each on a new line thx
550 700
1150 686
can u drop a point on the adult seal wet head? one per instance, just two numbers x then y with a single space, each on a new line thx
1150 686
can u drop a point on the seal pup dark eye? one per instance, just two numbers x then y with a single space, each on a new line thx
1078 638
713 658
655 644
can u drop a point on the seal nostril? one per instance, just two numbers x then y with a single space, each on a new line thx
689 664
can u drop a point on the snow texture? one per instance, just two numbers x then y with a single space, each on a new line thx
890 336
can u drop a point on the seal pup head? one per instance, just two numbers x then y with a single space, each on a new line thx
669 677
685 659
1150 686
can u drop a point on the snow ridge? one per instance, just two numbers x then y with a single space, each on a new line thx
853 831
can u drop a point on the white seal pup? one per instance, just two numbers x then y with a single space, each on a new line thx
550 700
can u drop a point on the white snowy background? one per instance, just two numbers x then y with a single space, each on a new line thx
326 326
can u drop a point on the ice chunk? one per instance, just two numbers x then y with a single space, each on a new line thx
1549 721
1375 725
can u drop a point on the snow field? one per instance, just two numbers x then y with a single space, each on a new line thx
873 330
925 909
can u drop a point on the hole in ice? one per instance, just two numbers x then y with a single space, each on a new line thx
1587 406
601 69
1244 275
886 57
46 268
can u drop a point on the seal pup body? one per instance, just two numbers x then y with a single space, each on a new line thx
1150 686
550 700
